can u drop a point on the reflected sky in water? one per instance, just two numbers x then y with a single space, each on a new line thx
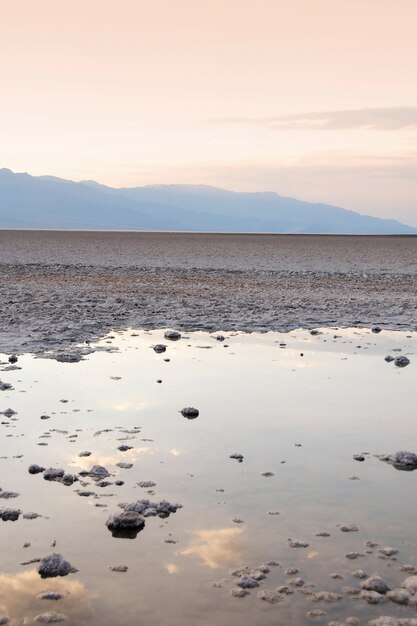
223 547
296 406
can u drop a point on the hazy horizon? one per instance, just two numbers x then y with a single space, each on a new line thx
310 100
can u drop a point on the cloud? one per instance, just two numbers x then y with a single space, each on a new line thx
384 118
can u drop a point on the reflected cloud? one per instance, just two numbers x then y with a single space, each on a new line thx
176 452
19 598
217 548
126 406
86 462
171 568
313 554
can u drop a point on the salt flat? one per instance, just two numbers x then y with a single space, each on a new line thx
59 287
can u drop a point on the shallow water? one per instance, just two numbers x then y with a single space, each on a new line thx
299 417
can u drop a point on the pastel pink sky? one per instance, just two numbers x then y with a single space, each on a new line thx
315 99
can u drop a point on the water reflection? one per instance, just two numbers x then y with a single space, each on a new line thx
19 598
86 462
297 420
217 548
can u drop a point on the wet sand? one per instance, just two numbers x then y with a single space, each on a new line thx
63 287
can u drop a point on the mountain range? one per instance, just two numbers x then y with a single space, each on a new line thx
47 202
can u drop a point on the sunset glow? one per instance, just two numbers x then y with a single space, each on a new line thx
314 100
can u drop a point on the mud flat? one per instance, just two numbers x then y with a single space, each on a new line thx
59 288
247 478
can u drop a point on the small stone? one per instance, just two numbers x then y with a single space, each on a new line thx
401 460
411 569
291 571
84 453
172 335
353 555
399 596
325 596
401 361
383 620
373 597
119 568
124 448
160 348
51 595
349 528
68 357
248 582
190 412
375 583
126 524
410 583
8 495
97 472
271 596
389 358
316 613
237 456
358 457
55 565
387 551
237 592
50 618
53 473
295 543
10 515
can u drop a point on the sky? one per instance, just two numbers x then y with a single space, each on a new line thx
314 99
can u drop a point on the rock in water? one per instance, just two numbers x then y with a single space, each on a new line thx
50 618
55 565
35 469
68 357
159 348
190 412
375 583
173 335
401 361
384 620
402 460
125 525
10 515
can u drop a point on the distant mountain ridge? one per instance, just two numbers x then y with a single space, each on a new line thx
54 203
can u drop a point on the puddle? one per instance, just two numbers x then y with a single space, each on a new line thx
295 406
